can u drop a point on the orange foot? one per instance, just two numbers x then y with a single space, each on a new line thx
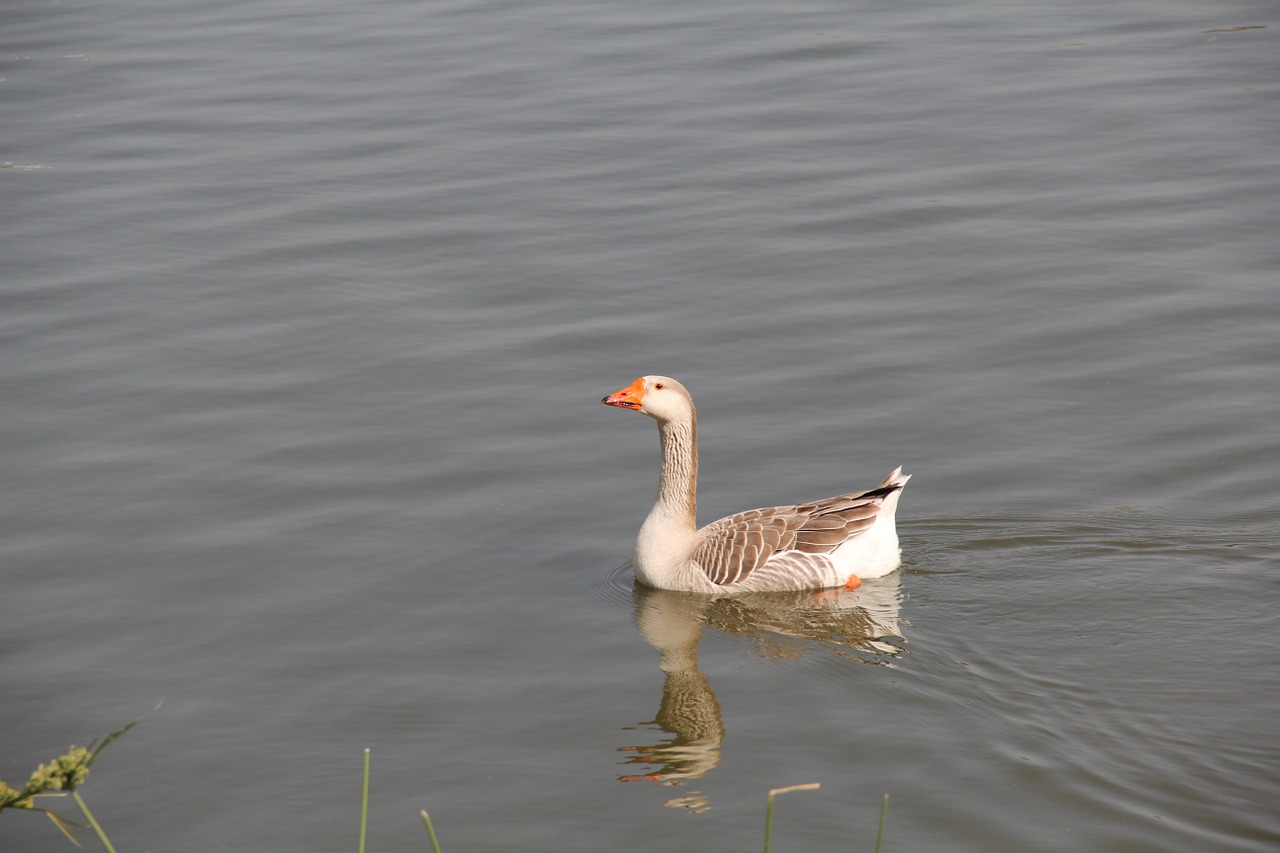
853 583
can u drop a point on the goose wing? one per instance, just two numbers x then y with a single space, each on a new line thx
737 545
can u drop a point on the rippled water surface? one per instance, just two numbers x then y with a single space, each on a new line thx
307 308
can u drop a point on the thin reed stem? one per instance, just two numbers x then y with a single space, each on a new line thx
102 836
431 830
768 812
884 812
364 801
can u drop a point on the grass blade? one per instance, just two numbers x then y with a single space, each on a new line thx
364 801
884 812
61 822
431 830
95 748
768 812
102 836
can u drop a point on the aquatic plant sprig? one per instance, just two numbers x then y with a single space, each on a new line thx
431 830
884 813
364 801
60 777
364 811
768 812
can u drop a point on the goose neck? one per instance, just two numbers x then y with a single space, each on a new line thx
678 484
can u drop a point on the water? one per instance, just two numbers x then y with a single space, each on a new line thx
307 309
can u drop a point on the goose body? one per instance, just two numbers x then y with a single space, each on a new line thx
826 543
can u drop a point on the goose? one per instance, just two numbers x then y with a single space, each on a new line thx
833 542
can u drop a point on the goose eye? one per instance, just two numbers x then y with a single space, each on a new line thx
658 385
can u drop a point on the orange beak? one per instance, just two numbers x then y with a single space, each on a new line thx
629 397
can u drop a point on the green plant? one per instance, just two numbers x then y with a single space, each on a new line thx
364 810
884 813
768 812
431 830
64 774
61 777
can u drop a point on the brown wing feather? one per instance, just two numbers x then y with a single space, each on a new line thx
737 545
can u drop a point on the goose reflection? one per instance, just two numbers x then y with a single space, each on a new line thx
856 624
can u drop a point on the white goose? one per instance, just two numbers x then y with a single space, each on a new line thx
827 543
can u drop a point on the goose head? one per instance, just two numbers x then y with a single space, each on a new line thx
660 397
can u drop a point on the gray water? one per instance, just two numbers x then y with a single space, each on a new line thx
307 309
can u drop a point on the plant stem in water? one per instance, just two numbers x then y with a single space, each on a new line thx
768 812
364 801
430 830
102 836
884 812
